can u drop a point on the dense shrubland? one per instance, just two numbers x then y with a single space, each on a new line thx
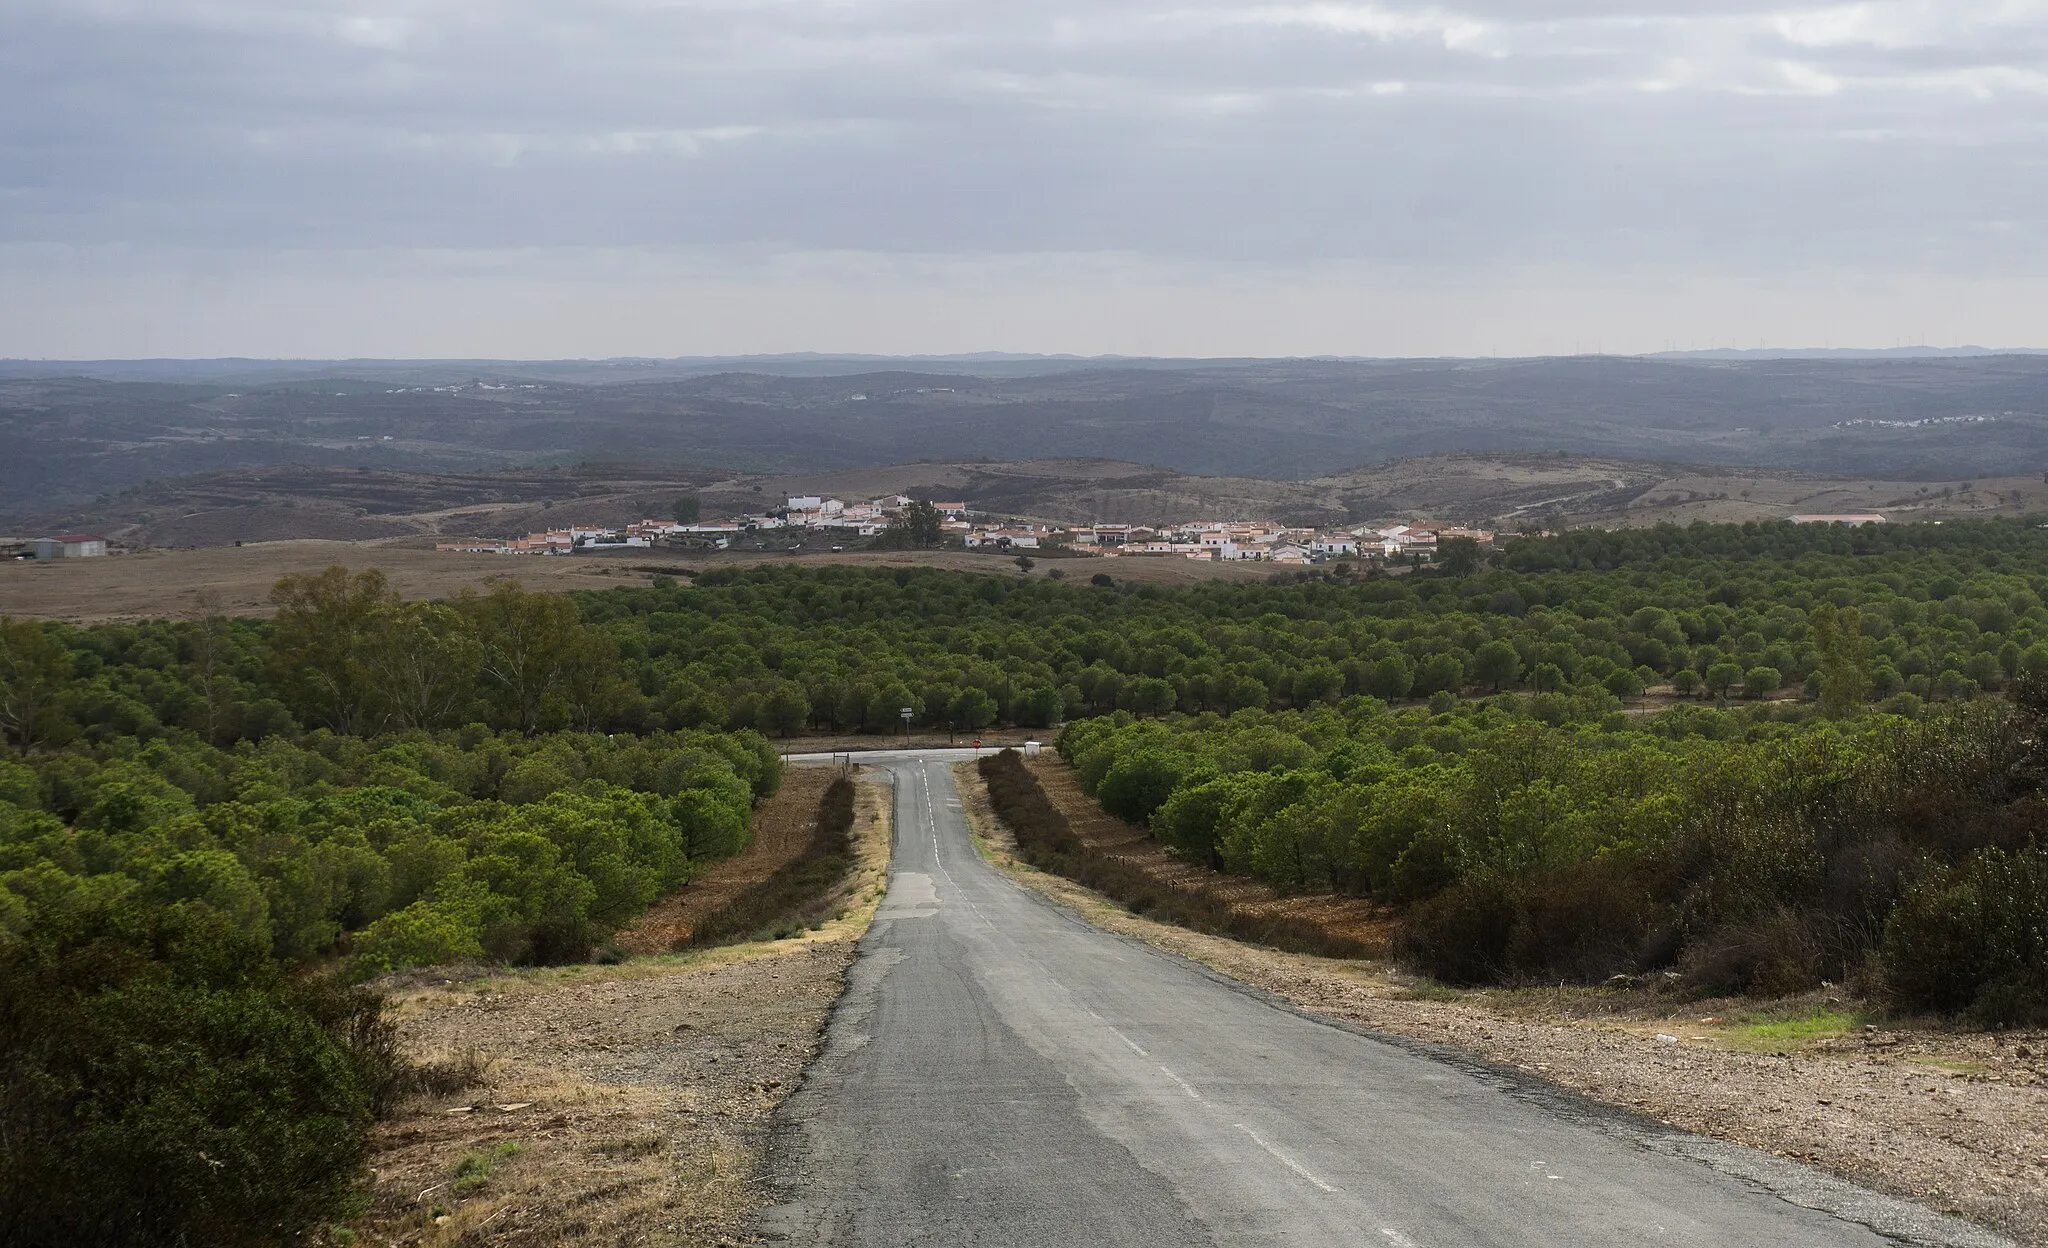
184 1059
1899 616
1749 854
190 881
1902 616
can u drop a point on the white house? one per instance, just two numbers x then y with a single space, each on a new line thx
1333 544
805 502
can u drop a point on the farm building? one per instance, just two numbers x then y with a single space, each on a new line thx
69 546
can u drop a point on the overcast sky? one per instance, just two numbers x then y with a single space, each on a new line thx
666 177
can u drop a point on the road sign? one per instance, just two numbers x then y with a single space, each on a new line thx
906 713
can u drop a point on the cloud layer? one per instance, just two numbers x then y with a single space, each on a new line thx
233 159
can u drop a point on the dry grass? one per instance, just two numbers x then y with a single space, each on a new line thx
180 584
236 580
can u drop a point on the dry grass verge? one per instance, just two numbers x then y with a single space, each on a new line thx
1957 1121
611 1105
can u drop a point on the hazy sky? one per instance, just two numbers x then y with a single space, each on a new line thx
663 177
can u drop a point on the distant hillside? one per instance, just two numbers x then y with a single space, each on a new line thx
71 439
1504 491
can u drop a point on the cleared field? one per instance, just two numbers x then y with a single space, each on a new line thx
236 580
186 584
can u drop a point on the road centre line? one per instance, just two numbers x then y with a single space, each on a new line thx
1188 1088
1284 1159
925 778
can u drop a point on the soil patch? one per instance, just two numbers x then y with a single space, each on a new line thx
236 580
1956 1121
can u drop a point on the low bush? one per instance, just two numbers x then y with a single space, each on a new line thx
168 1083
1581 923
1973 938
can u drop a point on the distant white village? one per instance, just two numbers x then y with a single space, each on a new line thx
1207 540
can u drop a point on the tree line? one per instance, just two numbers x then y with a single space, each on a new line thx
1834 620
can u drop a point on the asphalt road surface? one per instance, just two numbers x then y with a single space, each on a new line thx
1001 1073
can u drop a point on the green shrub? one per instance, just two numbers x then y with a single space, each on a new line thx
1580 923
168 1085
1973 938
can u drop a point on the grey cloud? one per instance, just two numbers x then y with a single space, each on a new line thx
1446 138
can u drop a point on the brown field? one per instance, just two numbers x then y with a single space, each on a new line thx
236 580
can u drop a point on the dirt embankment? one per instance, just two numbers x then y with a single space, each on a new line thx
623 1104
1347 917
1955 1120
782 831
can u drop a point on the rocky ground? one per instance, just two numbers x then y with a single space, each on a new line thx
613 1105
1955 1120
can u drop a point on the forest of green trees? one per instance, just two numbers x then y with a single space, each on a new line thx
212 831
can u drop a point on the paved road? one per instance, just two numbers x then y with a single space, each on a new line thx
1001 1073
